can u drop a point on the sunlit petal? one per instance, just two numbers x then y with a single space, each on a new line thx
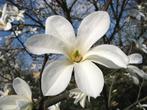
22 88
4 12
135 58
55 107
92 28
44 44
5 25
9 102
83 101
23 105
8 26
89 78
108 55
78 96
59 27
56 77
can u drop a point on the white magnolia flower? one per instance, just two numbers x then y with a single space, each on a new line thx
4 24
21 101
16 14
54 107
79 56
20 15
79 97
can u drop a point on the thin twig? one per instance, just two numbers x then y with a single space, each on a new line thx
74 2
106 6
110 92
133 104
138 96
22 44
139 91
105 97
117 25
56 99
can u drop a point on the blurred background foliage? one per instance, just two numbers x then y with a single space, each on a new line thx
123 90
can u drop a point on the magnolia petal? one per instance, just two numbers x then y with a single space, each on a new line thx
22 88
9 102
56 77
78 96
83 101
92 28
108 55
59 27
4 11
75 91
23 105
135 58
44 44
8 26
135 80
89 78
136 70
55 107
5 25
8 107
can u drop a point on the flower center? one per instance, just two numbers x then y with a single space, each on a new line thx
76 56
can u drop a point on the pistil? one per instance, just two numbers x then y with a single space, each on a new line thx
76 56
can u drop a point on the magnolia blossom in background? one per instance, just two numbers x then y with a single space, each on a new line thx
15 13
54 107
134 71
21 101
79 97
5 91
10 14
79 55
4 24
136 58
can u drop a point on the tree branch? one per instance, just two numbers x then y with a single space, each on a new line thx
106 6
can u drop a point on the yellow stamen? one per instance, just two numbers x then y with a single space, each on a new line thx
76 56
